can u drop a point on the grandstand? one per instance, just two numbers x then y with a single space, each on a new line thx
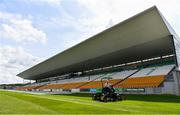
143 48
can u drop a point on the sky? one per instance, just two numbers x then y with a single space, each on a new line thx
34 30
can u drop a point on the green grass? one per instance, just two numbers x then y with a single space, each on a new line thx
25 103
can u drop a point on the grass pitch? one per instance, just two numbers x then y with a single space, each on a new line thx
25 103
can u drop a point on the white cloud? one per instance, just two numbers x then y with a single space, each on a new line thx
83 27
102 14
15 27
118 10
12 61
50 2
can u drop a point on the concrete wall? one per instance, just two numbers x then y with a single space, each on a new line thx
176 75
75 90
57 90
149 90
168 88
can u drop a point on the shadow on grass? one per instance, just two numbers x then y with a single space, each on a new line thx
154 98
136 97
77 94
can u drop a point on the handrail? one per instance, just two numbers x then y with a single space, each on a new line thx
120 81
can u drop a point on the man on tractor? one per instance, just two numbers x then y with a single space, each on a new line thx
108 93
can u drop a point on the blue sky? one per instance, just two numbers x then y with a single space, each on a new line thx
34 30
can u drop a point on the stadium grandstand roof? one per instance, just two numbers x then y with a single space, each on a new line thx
145 35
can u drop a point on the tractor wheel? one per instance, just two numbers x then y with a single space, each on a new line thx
105 99
123 98
94 97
